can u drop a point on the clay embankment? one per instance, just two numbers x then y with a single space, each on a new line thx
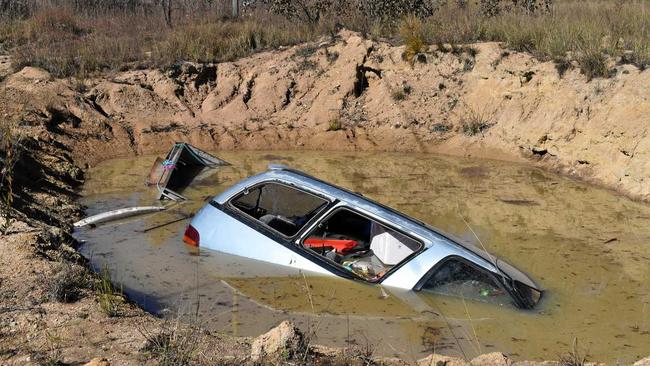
344 94
356 94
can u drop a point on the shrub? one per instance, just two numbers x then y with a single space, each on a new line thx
334 124
398 95
10 149
387 11
593 64
175 343
473 122
109 297
440 127
67 284
411 34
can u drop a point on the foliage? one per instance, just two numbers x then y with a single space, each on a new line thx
67 284
175 342
492 8
10 150
573 357
391 10
593 64
79 38
475 122
411 34
109 297
334 124
309 11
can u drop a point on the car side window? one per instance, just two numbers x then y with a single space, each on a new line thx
359 244
280 207
458 278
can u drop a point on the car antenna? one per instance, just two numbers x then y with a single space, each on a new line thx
492 260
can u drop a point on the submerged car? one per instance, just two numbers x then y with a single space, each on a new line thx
287 217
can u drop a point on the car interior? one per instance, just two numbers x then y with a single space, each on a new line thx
456 277
359 244
282 208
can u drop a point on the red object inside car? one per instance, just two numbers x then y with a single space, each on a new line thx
340 245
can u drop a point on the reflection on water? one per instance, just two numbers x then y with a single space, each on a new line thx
588 247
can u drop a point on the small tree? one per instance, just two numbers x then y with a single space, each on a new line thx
492 8
309 11
167 8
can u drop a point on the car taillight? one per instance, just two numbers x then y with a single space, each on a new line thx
191 236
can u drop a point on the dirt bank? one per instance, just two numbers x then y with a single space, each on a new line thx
347 93
351 93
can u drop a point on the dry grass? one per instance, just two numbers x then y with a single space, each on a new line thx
411 34
67 284
73 42
585 31
475 122
68 44
174 344
573 357
10 150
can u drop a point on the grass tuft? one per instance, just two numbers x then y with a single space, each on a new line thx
175 344
411 34
11 146
593 64
109 297
334 125
398 95
67 285
573 357
474 123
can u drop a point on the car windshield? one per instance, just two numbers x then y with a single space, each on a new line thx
359 244
456 277
280 207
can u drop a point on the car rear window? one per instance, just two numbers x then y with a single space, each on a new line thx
280 207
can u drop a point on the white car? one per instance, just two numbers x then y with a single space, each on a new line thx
289 218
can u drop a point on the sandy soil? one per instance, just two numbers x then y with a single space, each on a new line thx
346 93
351 93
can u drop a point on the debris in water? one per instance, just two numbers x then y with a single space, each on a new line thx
117 214
181 166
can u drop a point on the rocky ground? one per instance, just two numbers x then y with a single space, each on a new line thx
346 93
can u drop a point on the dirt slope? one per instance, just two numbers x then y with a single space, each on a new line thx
351 93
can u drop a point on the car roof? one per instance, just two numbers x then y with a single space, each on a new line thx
310 183
358 201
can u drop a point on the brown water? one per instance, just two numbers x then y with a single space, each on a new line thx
589 248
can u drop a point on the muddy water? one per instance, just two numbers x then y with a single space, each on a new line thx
589 248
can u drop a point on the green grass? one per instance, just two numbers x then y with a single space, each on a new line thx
334 124
109 297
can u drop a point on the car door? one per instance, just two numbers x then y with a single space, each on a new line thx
236 227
